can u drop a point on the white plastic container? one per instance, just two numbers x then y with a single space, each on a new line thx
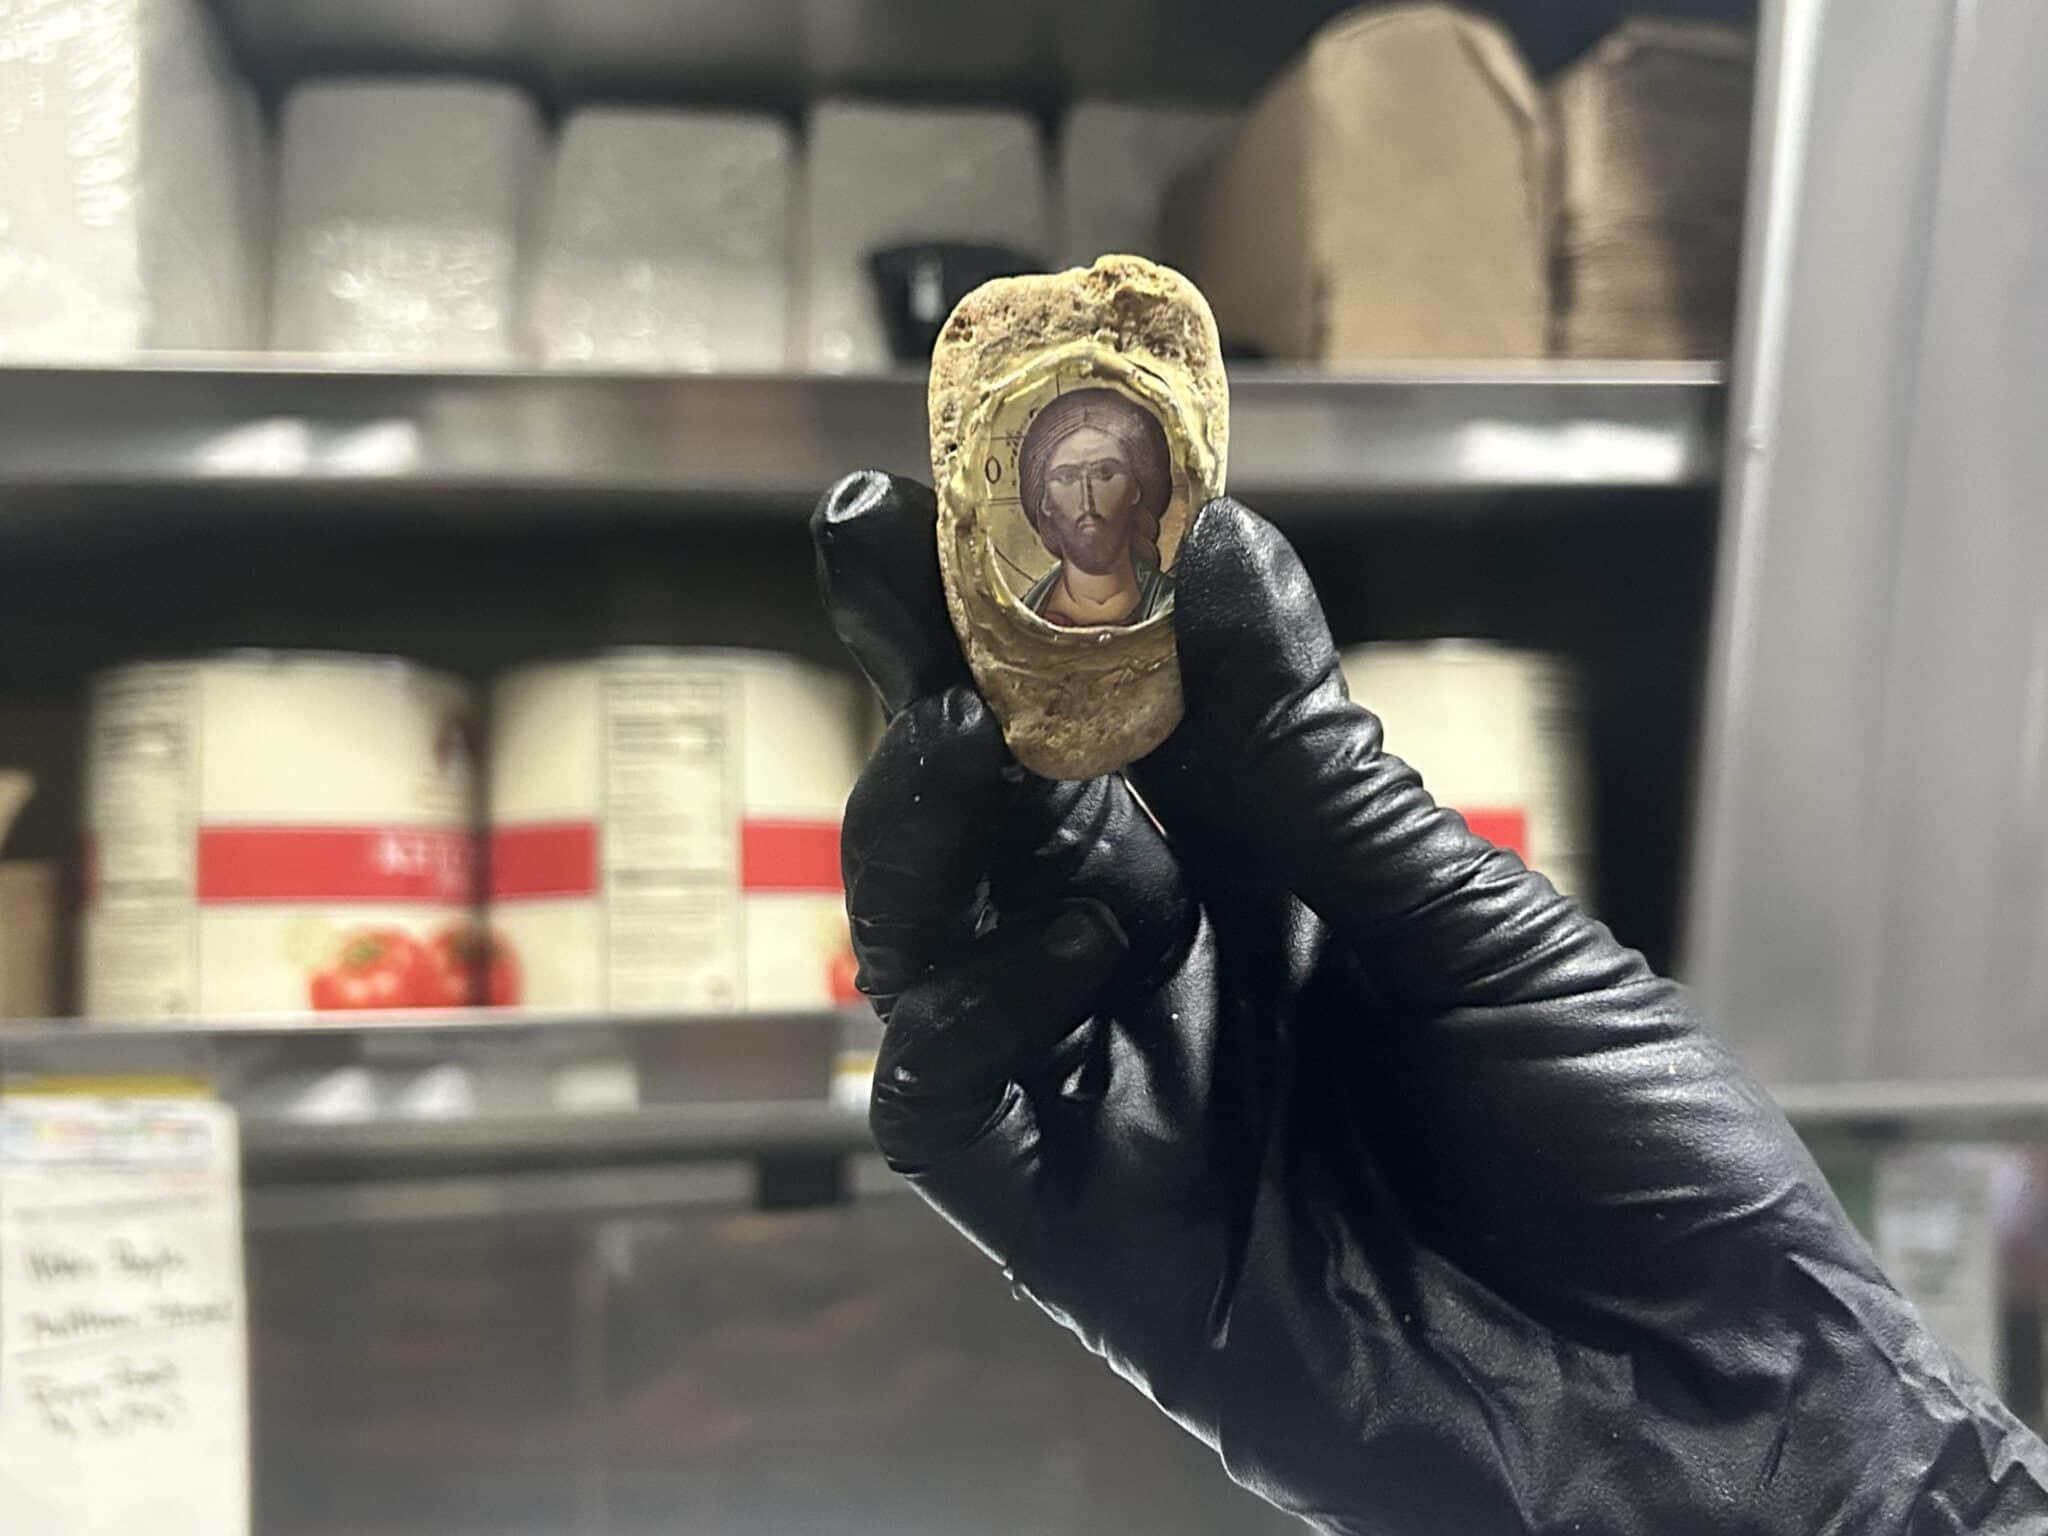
1495 733
131 181
665 831
666 243
278 832
1116 161
402 207
883 176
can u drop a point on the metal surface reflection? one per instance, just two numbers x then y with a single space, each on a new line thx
779 439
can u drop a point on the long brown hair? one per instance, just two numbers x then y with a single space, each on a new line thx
1136 431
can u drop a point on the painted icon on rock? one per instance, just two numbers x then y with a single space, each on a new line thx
1096 486
1078 420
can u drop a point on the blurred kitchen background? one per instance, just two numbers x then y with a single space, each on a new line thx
419 732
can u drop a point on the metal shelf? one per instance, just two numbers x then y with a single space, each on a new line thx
777 52
1968 1108
406 1095
389 1027
769 443
707 1089
781 52
734 1131
730 1110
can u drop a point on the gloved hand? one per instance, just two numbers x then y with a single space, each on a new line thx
1373 1160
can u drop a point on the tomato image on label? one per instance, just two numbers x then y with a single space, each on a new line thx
451 968
468 966
375 968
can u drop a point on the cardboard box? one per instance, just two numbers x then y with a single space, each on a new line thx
1653 138
1385 199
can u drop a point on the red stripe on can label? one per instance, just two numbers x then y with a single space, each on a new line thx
346 864
544 859
560 859
789 856
1505 829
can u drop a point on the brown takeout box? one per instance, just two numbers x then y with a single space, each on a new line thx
1387 198
1653 145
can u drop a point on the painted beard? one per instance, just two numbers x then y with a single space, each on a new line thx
1094 543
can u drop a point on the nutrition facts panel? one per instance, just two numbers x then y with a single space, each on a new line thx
141 804
671 846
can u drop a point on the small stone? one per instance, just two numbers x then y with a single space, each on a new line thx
1079 420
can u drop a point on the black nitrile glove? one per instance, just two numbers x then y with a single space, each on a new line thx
1372 1159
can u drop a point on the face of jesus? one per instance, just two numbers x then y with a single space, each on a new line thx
1091 500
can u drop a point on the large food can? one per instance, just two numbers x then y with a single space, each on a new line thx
278 832
665 831
1496 733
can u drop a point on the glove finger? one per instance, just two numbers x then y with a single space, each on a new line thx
878 569
914 844
1275 776
959 1038
1253 647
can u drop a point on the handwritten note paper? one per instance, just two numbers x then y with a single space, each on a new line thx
123 1340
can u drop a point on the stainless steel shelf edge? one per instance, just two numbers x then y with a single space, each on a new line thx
666 1133
471 1023
1971 1108
784 53
407 1096
688 1133
583 1193
779 439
